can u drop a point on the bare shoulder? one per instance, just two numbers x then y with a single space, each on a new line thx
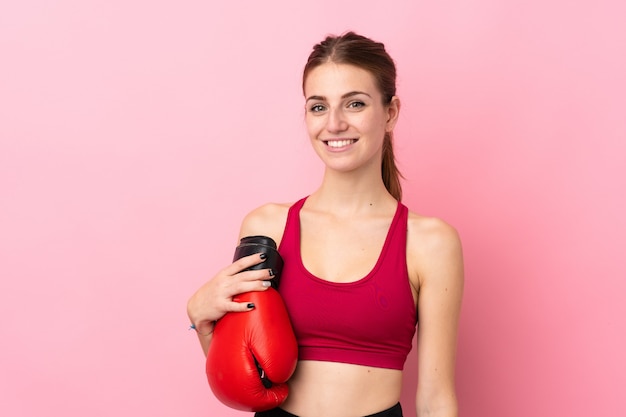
268 220
433 248
431 233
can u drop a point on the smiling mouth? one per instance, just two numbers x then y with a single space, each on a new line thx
340 143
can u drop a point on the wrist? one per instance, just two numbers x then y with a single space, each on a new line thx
203 328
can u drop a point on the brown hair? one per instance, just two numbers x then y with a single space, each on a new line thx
371 56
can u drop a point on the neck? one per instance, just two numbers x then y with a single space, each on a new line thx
352 193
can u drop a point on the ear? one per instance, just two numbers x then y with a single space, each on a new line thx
393 111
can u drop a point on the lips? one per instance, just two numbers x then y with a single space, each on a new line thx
339 143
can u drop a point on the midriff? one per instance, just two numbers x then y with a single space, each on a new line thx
333 389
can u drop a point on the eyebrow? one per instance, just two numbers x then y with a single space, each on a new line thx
347 95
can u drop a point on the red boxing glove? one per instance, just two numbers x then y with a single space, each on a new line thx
254 353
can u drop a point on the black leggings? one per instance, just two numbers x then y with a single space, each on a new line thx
395 411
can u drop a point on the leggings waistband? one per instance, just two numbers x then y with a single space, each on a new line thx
395 411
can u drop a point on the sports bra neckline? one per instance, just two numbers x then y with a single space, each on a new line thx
381 256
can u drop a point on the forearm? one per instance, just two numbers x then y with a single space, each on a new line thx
443 408
204 329
205 342
205 335
440 412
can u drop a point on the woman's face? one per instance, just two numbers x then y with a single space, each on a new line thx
345 116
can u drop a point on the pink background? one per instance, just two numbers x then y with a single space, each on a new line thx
134 135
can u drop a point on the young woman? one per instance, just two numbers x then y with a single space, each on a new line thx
360 269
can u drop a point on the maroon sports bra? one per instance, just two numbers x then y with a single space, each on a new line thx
368 322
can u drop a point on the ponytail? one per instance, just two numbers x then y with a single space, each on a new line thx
390 172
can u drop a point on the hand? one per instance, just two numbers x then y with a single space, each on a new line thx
215 298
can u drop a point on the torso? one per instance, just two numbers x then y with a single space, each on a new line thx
333 389
341 250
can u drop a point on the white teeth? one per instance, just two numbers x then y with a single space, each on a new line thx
340 143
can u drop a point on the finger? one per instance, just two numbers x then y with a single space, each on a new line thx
240 307
256 274
247 286
244 263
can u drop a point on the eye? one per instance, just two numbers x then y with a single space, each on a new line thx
316 108
356 105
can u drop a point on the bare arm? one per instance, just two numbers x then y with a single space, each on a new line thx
437 255
215 297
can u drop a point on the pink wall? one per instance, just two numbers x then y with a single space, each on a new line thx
135 135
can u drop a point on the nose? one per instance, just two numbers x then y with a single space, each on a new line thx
336 121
